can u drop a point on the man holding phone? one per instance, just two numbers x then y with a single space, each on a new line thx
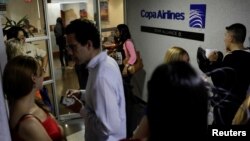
104 108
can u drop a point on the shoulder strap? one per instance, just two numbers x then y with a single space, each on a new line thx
24 117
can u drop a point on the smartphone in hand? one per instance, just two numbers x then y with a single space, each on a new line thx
67 101
71 103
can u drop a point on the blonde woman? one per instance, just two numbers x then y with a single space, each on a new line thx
172 54
176 54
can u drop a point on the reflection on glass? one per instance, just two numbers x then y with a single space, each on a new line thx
112 14
42 45
47 97
28 15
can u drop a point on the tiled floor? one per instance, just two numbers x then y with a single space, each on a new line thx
66 79
78 136
74 129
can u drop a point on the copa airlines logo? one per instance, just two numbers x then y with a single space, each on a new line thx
197 15
163 14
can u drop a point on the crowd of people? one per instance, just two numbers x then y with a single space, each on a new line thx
106 97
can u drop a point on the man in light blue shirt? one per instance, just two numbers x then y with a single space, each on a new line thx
104 109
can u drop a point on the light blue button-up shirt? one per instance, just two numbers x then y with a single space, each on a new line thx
104 111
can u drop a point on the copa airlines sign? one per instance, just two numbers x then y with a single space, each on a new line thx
197 15
162 14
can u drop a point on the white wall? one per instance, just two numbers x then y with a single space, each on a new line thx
5 131
54 11
219 14
67 1
75 6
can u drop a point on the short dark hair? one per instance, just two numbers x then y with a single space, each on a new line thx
170 83
239 32
17 76
59 20
84 30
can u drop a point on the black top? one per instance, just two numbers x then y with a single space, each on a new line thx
236 81
239 60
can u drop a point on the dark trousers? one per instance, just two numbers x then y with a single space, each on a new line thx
130 105
63 54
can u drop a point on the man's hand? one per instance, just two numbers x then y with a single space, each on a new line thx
76 94
213 56
76 107
73 93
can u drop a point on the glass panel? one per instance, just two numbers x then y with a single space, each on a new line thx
112 14
26 14
47 96
66 77
42 46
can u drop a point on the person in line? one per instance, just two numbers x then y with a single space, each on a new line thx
125 45
125 57
209 59
173 54
22 77
61 42
176 53
104 109
28 48
238 59
190 92
14 48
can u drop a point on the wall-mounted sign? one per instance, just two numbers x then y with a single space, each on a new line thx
174 33
197 15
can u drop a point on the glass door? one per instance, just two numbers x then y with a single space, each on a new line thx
67 77
111 14
31 16
38 18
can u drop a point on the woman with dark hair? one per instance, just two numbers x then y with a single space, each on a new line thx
127 57
22 77
172 54
126 46
13 32
190 93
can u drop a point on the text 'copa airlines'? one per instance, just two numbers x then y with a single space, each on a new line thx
163 14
